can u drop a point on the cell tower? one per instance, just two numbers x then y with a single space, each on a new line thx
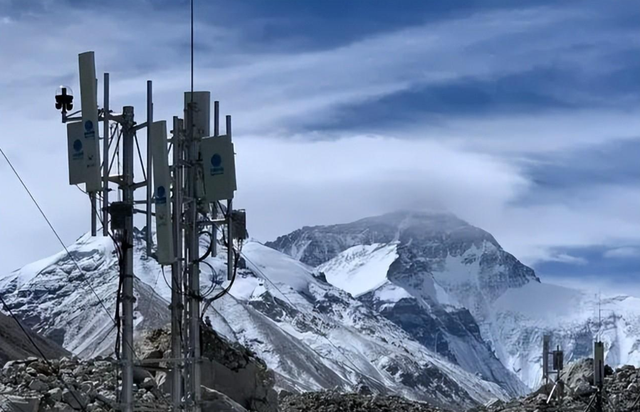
556 367
184 194
599 400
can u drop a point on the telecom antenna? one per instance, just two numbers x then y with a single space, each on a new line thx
182 184
556 367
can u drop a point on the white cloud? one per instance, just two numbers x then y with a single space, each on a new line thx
291 183
597 285
289 177
622 252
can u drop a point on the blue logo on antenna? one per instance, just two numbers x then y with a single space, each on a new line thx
161 195
216 165
89 133
78 153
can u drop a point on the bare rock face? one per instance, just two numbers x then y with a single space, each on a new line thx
15 345
227 368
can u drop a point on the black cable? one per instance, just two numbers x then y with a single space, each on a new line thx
8 309
55 232
144 173
117 154
77 265
209 249
213 280
102 340
191 58
166 282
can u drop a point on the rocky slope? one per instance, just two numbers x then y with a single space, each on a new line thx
15 345
313 335
621 392
353 402
233 379
452 287
68 383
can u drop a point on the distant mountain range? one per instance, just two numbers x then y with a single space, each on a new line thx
421 305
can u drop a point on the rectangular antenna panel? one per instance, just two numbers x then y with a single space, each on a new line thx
558 360
89 105
76 151
598 364
219 167
161 184
201 112
546 339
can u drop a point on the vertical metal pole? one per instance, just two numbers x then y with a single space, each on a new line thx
214 206
105 157
192 236
230 264
545 358
216 118
127 282
149 235
94 213
229 219
176 269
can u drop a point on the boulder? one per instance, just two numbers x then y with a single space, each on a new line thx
11 403
55 394
75 399
214 401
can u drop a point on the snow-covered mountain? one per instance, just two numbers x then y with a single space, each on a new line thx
453 288
312 334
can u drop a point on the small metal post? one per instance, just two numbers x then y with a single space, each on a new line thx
127 248
105 157
176 269
149 236
94 213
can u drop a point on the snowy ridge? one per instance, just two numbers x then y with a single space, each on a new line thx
313 335
454 289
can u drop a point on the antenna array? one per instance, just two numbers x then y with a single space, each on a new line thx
187 177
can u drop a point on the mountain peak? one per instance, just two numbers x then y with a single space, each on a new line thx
315 245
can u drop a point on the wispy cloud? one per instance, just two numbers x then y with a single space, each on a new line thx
622 252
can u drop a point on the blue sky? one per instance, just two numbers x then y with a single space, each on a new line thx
520 117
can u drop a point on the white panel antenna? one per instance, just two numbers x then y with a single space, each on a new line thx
219 166
161 183
89 105
76 151
201 112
